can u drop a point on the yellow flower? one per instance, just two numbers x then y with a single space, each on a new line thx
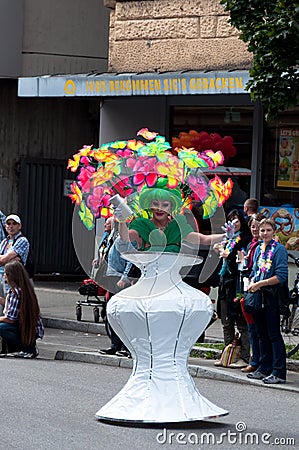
76 195
104 155
73 164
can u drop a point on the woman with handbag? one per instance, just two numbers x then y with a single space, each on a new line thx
228 308
269 272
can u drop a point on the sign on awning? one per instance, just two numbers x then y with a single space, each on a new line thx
114 85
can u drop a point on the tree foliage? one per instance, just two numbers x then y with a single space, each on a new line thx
271 30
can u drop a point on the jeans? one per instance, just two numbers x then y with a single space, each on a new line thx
272 348
255 345
10 332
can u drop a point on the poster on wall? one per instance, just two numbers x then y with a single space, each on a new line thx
288 158
287 224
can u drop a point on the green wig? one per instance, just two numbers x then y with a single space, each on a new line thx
161 193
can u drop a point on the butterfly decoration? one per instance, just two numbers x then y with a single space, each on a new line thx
127 167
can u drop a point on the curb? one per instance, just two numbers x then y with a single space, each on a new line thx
194 370
200 352
67 324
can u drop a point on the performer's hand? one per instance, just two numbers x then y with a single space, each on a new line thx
229 228
120 214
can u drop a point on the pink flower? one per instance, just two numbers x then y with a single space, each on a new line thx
125 153
98 199
144 169
84 177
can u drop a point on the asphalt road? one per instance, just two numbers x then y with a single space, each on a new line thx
48 404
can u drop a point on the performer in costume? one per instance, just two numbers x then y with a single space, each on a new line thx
166 229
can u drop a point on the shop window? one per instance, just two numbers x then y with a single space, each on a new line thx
280 171
232 127
280 176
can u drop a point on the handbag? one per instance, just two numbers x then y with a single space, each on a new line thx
231 353
254 301
248 316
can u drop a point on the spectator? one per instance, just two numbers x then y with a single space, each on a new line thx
251 206
21 324
14 246
117 271
229 310
104 246
253 224
269 271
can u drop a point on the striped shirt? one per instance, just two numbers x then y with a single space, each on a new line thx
20 245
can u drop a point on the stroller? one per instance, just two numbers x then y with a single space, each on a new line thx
95 298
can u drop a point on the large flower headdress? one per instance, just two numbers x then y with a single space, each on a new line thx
128 167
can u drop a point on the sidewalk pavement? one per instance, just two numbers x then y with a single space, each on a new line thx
71 340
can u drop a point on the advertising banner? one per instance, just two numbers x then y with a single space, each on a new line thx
288 158
287 223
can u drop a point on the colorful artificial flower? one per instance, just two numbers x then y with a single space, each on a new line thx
173 169
99 198
143 170
198 186
211 158
76 195
158 149
149 135
104 155
73 164
86 216
135 145
190 158
84 177
86 150
125 167
210 205
222 190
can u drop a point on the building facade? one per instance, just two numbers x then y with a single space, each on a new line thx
178 67
37 135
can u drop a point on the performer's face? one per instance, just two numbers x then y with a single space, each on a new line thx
161 209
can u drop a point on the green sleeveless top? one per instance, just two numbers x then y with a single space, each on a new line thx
168 240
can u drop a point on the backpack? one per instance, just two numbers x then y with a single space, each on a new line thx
30 261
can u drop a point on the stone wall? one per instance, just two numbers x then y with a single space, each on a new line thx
166 35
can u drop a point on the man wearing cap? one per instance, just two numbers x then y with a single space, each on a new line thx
15 245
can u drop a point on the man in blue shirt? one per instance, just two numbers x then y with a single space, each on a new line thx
15 245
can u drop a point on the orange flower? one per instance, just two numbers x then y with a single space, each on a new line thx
173 168
76 195
104 155
73 164
222 190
